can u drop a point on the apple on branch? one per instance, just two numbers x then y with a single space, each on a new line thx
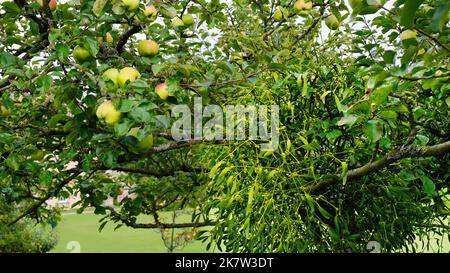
151 13
130 4
148 48
52 4
161 90
112 74
108 111
80 54
127 74
332 22
188 19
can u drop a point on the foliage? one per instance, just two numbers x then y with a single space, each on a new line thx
364 113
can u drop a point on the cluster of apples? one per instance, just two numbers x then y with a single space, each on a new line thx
52 4
301 7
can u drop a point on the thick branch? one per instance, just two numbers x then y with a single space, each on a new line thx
394 156
123 39
156 173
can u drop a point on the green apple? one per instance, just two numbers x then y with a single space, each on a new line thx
112 74
332 22
177 22
278 14
105 108
188 19
130 4
161 90
148 48
301 5
4 112
127 74
80 54
37 155
408 34
146 143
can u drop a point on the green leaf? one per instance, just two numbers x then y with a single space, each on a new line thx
408 12
125 105
407 175
440 16
13 162
62 51
344 172
91 45
11 8
373 130
98 7
44 82
226 66
122 128
138 84
7 59
389 56
45 178
140 115
447 101
156 68
428 185
331 136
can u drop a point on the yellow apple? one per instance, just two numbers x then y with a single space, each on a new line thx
301 5
188 19
146 143
4 112
408 34
108 38
151 13
332 22
105 108
52 4
161 90
130 4
177 22
112 74
127 74
80 54
112 117
148 48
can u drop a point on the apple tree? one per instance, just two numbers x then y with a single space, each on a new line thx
87 89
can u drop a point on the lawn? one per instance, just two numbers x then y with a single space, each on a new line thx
83 228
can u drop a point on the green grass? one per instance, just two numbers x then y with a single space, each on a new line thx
83 228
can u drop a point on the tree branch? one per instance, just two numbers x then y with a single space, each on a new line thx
159 174
123 39
51 193
400 153
114 214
